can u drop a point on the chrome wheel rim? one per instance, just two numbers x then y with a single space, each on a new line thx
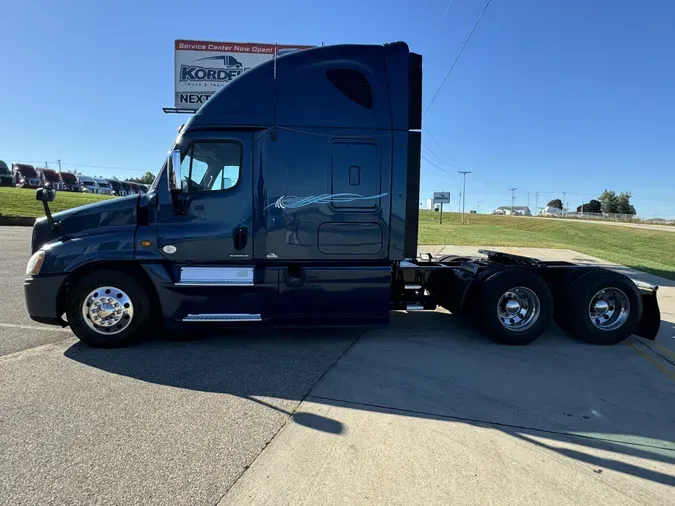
518 309
609 309
107 310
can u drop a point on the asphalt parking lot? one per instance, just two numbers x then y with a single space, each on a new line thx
426 411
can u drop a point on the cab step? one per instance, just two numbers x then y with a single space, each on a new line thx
224 317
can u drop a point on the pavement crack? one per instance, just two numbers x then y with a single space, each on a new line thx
290 415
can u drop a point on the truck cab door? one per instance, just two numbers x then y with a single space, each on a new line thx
206 233
210 221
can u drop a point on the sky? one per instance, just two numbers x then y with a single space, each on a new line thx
548 96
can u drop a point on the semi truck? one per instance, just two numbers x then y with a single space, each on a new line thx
52 177
25 176
70 182
291 198
6 178
103 186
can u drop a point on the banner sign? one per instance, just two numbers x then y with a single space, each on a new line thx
201 68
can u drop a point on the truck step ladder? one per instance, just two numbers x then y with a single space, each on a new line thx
224 317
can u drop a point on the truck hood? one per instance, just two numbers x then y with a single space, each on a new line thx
96 218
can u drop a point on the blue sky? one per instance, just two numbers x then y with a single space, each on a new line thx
548 96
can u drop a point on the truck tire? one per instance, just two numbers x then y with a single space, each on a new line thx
108 309
516 307
603 307
562 294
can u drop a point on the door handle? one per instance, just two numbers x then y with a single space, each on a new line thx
240 237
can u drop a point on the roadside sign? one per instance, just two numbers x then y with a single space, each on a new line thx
441 197
201 68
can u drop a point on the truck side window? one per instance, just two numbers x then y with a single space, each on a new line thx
212 166
353 84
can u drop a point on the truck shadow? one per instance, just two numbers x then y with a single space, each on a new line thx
605 406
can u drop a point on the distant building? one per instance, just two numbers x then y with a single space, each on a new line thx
427 204
516 210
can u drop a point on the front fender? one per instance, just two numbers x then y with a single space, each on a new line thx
64 256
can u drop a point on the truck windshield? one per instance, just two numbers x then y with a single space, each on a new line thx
104 185
4 170
88 183
68 178
51 176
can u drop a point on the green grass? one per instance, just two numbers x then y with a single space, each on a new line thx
21 201
642 249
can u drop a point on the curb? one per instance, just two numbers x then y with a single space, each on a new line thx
17 221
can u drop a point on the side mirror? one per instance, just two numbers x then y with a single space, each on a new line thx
45 194
175 178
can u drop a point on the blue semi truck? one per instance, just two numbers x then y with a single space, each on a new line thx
290 198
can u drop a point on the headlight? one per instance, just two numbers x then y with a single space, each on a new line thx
35 263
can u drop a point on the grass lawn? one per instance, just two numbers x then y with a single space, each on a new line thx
21 201
646 250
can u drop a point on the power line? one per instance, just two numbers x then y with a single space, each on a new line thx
83 165
446 11
441 146
461 50
437 166
441 159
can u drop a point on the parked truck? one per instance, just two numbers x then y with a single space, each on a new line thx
103 186
52 177
290 198
25 176
116 188
6 178
70 182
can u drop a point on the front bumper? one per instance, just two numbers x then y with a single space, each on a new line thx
42 302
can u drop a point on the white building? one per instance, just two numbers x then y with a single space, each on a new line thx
427 204
516 210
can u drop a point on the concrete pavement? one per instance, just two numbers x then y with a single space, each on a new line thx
424 411
443 417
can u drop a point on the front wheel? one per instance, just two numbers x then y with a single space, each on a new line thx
516 307
108 309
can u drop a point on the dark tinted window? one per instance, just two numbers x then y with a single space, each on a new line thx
353 84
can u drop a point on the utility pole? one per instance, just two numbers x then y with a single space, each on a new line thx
46 166
59 160
528 199
563 203
459 202
478 203
464 173
536 202
513 199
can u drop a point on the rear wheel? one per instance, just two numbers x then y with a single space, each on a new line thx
603 307
516 307
108 309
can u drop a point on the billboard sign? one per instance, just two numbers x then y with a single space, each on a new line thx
441 197
201 68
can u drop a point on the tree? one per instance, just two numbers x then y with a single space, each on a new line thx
623 204
557 203
593 206
147 178
608 202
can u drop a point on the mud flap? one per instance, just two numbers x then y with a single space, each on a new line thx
650 321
